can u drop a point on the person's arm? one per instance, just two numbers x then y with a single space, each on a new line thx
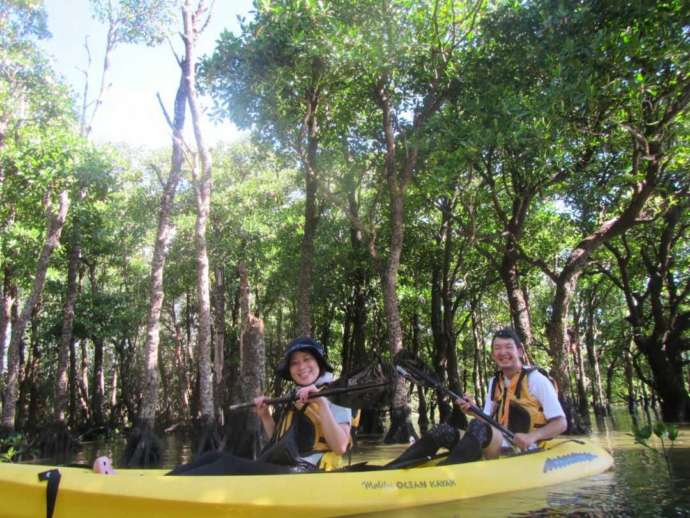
467 401
542 388
551 429
265 416
337 435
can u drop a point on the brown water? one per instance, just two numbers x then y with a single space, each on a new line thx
640 483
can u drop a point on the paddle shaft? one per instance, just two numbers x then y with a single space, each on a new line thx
324 393
416 375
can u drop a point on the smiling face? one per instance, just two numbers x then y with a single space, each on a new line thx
304 369
507 355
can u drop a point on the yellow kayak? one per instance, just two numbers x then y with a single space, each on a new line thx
149 494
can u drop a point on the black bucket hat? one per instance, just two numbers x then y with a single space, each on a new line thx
303 343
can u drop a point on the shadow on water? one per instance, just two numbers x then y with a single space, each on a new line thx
639 484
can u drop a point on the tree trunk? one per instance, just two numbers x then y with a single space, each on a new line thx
347 353
28 405
477 371
113 394
83 383
219 343
401 429
512 229
98 383
610 371
307 254
629 380
566 281
309 133
73 389
246 428
423 420
581 378
252 350
202 181
593 360
62 381
149 403
668 379
110 42
440 358
356 312
665 344
182 365
519 311
56 221
656 314
9 295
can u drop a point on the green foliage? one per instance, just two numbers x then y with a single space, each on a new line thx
13 446
136 21
663 431
22 20
528 149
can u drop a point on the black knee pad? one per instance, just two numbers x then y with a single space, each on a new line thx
444 436
480 431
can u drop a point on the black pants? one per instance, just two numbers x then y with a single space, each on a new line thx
221 463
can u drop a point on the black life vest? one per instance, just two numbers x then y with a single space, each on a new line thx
300 433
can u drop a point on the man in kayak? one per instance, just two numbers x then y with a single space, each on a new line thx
521 398
309 435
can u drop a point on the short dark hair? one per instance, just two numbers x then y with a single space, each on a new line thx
508 332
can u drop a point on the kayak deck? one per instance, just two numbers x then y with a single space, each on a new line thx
150 494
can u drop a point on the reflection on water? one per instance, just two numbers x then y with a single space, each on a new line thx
638 485
175 450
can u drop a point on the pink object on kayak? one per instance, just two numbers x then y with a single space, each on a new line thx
103 466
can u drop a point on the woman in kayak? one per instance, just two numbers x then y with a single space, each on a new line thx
309 435
522 399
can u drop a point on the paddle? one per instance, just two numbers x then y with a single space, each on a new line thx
362 388
420 377
324 393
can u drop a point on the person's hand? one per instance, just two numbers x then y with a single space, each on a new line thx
303 395
524 440
465 403
261 407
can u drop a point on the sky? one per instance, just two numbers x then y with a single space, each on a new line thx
130 112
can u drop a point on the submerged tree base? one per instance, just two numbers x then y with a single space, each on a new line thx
577 424
242 435
401 430
57 442
143 448
209 437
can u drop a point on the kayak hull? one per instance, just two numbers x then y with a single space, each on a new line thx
150 494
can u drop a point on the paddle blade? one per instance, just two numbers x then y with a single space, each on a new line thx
376 381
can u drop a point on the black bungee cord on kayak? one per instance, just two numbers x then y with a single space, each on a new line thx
52 477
